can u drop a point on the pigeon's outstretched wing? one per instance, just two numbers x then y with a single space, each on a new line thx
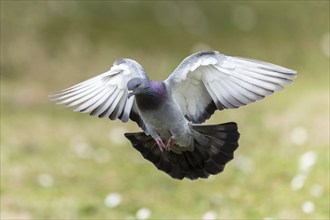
208 80
105 95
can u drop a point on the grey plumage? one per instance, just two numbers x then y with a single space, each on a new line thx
168 111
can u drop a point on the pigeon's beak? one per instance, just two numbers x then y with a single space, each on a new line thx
130 94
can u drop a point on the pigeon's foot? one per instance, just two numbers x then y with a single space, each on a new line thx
170 143
160 144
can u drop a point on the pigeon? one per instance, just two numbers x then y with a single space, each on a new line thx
171 112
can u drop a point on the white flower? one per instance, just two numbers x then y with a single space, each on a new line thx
210 215
113 200
307 160
143 213
298 181
307 207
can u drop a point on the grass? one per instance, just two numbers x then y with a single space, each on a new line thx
56 164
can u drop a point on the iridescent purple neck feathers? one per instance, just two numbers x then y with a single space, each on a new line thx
152 96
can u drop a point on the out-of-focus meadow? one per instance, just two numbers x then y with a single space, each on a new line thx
64 165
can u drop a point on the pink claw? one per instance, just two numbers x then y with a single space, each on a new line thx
160 144
170 143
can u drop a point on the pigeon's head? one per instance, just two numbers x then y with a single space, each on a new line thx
137 86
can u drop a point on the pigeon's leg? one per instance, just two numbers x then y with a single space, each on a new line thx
160 144
170 143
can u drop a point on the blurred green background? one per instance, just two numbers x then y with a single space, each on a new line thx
63 165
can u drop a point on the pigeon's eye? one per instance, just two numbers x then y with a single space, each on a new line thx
137 85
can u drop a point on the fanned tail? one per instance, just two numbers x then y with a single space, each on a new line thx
204 160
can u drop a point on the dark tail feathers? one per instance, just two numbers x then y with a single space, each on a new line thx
199 163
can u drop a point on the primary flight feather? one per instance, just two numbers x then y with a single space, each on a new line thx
170 112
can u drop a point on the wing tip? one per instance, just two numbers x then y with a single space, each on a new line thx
54 95
266 65
57 98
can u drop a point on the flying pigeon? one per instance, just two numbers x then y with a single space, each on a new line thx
171 112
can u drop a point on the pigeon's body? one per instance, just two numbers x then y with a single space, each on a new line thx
152 105
170 112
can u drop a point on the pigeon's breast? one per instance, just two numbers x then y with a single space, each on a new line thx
167 120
